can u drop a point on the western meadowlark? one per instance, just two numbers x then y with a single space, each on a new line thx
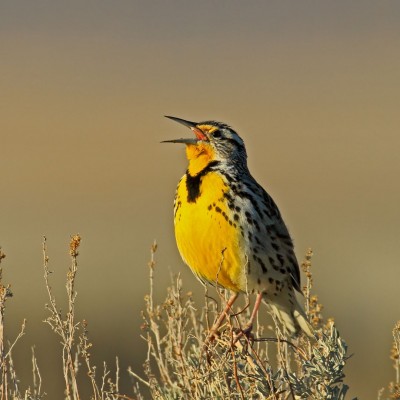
228 229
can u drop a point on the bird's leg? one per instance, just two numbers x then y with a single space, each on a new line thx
218 322
249 326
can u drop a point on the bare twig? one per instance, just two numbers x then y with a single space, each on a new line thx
65 328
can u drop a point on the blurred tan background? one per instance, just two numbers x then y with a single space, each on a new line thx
312 87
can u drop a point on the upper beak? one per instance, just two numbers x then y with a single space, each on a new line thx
193 126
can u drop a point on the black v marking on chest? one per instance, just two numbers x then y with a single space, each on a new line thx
193 183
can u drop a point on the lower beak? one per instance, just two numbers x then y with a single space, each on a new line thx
186 141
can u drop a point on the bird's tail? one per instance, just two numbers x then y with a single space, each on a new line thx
292 317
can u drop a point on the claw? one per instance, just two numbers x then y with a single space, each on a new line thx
246 332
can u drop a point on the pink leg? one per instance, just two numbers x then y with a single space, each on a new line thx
222 316
249 326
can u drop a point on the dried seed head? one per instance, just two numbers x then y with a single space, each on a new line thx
74 244
394 352
315 312
2 255
394 389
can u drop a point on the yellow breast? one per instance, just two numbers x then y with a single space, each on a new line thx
208 238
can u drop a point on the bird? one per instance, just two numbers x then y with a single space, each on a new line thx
229 230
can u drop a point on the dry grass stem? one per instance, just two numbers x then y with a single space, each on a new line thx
75 336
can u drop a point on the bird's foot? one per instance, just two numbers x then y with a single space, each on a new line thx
212 336
245 332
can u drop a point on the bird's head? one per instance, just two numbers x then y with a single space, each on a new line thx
213 141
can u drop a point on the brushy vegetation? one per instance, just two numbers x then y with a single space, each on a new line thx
181 363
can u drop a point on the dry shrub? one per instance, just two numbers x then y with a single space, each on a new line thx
180 362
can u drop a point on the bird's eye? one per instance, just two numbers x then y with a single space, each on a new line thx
217 134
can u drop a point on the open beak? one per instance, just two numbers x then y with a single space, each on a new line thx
193 126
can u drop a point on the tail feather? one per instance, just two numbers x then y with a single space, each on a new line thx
293 319
303 322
